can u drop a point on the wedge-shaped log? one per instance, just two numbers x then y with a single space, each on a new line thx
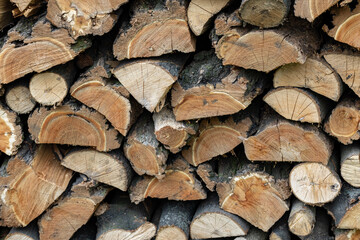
311 9
155 28
32 181
206 88
18 98
280 140
178 184
72 210
297 104
84 17
210 221
121 219
350 164
30 232
302 218
11 135
40 49
315 74
73 125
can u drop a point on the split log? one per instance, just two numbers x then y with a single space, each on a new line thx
51 87
155 28
19 99
225 22
315 183
145 153
110 168
200 13
32 181
281 140
264 14
172 134
297 104
345 209
86 232
206 171
73 125
315 74
302 218
280 230
350 164
82 18
266 50
72 210
175 220
124 220
343 123
217 136
40 47
254 234
321 229
206 88
341 234
210 221
30 232
178 184
26 8
5 14
311 9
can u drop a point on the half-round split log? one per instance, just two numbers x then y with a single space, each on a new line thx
30 232
302 218
350 164
311 9
19 99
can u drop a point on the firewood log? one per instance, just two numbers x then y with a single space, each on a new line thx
145 153
321 229
27 8
341 234
302 218
200 13
206 88
315 74
84 17
206 171
73 125
210 221
175 220
5 13
149 80
171 133
30 232
32 181
280 230
40 48
350 164
254 234
123 220
297 104
264 14
86 232
280 140
178 184
49 88
345 208
155 28
18 98
226 21
311 9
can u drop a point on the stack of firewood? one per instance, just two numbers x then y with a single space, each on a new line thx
180 119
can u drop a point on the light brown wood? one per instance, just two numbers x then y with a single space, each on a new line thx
11 135
26 8
206 171
178 184
224 22
73 125
155 28
315 74
19 99
311 9
302 218
32 181
350 164
341 234
5 13
30 232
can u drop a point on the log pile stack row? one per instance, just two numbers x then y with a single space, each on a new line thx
180 119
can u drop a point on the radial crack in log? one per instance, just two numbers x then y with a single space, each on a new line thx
19 99
311 9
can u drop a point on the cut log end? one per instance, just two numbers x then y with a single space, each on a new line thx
171 232
145 231
302 219
350 164
19 99
310 10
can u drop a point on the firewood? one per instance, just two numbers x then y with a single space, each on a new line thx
210 221
206 171
30 232
82 18
72 210
155 28
73 125
200 13
124 220
26 8
171 133
311 9
344 120
145 153
175 220
226 21
206 88
297 104
32 181
39 46
110 168
178 184
315 74
321 229
280 230
254 234
289 142
302 218
266 50
19 99
315 183
341 234
350 164
345 208
51 87
5 13
86 232
264 14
